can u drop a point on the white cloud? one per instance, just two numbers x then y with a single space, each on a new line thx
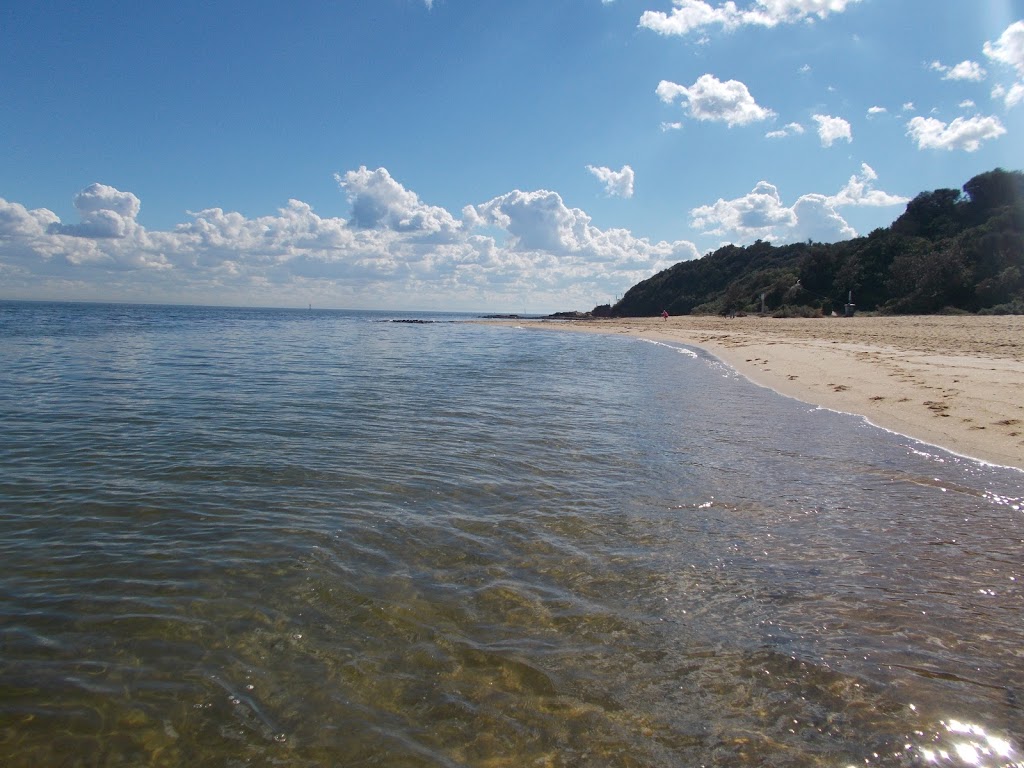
791 129
100 197
711 99
832 129
817 220
966 134
616 183
394 250
687 16
691 15
966 104
17 222
666 126
908 106
761 214
859 190
1011 96
379 201
214 234
755 215
540 221
965 70
105 212
668 91
1015 95
791 11
872 111
558 246
1009 48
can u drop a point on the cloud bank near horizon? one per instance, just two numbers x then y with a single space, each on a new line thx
523 250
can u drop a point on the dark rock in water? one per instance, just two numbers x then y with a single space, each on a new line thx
414 322
569 316
502 317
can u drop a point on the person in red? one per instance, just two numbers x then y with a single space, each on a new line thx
664 314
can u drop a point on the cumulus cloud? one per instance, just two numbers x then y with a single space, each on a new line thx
536 221
1011 96
616 183
540 221
791 129
818 220
762 215
872 111
378 200
832 129
965 70
1009 48
105 212
758 214
215 235
561 247
668 91
963 133
17 222
859 190
711 99
522 251
693 15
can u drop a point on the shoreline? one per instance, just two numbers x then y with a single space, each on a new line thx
952 381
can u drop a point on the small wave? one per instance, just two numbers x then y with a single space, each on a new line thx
680 350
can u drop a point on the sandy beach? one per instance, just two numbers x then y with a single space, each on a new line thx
950 381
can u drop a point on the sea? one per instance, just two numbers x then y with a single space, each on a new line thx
270 537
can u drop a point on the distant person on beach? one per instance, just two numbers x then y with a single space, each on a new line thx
664 314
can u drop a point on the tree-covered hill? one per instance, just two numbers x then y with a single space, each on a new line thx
950 250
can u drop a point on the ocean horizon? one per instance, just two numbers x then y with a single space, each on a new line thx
303 537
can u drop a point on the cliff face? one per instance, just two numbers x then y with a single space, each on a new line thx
950 249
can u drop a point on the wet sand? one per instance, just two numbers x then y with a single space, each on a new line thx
951 381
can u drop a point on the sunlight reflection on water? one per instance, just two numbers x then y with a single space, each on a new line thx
971 745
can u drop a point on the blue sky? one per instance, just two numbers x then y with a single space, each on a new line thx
532 156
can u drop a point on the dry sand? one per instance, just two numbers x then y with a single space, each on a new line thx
952 381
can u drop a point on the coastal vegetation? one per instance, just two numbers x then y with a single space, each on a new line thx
950 251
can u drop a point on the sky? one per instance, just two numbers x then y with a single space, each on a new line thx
474 155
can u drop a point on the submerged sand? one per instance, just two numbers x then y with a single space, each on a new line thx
952 381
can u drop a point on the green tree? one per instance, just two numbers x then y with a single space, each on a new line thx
928 281
946 250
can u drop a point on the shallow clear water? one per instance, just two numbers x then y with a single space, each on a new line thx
267 537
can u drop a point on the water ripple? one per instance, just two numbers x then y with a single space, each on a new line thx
310 538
